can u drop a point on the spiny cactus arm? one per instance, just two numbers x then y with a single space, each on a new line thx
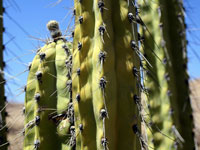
47 122
156 83
37 98
172 17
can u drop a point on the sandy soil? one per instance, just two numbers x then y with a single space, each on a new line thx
15 122
195 98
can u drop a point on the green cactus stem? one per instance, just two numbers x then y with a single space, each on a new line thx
173 27
49 113
104 49
160 135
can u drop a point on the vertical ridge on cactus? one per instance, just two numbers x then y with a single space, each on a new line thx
82 85
106 85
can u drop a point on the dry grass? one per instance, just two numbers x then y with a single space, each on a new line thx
15 122
195 99
16 117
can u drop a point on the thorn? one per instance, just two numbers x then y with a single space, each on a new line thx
102 30
167 77
134 45
64 46
135 71
29 66
37 120
165 61
140 38
79 46
131 18
104 142
39 75
161 25
69 85
78 98
74 12
81 127
102 83
80 19
24 110
169 93
102 57
101 5
36 144
171 111
78 71
135 128
25 88
42 56
72 34
103 113
37 97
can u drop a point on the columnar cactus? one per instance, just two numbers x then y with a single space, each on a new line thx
49 111
173 42
173 27
160 135
94 102
106 91
2 96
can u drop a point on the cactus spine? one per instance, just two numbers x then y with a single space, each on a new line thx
156 80
105 41
2 82
49 114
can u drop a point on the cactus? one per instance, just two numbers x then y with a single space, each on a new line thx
3 129
172 50
49 112
172 18
94 101
104 50
160 136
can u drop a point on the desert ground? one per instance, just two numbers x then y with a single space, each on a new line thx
15 125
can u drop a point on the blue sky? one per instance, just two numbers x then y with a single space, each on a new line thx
193 36
32 16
